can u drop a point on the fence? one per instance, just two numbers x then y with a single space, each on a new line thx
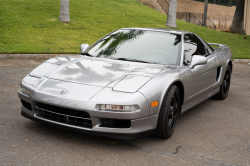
164 5
189 17
197 18
209 22
228 3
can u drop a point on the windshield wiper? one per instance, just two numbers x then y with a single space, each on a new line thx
133 60
87 54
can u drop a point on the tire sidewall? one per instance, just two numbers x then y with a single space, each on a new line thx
170 132
162 125
228 69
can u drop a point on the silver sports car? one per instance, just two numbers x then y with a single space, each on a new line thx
132 82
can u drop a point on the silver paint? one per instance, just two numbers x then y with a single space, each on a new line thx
91 81
198 60
84 47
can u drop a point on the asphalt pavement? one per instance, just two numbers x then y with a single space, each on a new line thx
212 133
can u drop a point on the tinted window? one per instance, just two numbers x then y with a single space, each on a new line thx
209 46
193 46
139 44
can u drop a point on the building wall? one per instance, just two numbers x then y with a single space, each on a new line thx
222 16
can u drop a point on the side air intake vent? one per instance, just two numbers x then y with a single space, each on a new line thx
218 73
26 105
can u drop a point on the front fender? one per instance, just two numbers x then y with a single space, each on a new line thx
157 87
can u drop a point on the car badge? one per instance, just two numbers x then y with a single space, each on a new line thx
63 91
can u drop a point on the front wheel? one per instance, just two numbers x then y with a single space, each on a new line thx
224 87
168 113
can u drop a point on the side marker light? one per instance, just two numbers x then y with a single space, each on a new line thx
154 103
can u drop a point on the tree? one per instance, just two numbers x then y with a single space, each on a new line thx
64 11
171 19
205 13
238 20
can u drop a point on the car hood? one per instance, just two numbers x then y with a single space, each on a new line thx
103 72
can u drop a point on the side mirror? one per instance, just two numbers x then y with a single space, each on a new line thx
84 47
198 60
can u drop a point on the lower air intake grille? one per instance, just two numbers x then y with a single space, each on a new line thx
63 115
26 105
115 123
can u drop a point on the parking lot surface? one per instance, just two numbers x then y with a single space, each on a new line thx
212 133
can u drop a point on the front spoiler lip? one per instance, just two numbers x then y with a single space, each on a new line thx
103 134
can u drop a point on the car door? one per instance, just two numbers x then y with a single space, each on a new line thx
201 78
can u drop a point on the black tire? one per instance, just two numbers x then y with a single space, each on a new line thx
225 86
168 113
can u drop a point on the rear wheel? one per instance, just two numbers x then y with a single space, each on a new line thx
224 87
168 113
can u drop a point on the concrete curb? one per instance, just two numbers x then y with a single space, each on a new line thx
28 56
46 56
242 60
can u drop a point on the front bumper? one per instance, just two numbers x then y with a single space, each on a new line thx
139 126
126 136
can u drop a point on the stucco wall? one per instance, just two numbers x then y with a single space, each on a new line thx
222 16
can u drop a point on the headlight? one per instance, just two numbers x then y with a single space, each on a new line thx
125 108
131 83
25 91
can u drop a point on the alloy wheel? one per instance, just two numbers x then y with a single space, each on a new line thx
226 83
172 115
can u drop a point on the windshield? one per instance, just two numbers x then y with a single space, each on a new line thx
149 46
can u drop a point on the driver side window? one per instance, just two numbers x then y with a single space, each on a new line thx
193 46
